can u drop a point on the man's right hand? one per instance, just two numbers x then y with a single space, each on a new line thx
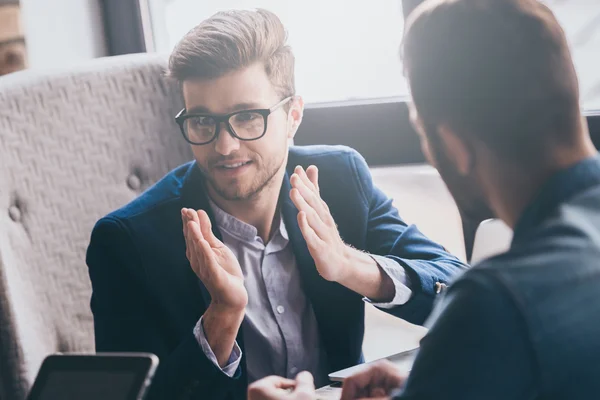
220 272
376 381
278 388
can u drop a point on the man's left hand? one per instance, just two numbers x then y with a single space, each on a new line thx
317 225
278 388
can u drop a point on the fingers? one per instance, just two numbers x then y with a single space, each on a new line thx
315 221
354 387
310 193
301 173
313 175
209 271
188 244
314 241
378 392
185 233
277 382
201 218
305 383
270 388
393 378
375 381
311 199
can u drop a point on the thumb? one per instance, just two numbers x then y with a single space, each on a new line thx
305 382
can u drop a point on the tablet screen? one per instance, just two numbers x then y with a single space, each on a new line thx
123 376
95 385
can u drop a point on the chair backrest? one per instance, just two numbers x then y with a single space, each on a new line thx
74 145
492 237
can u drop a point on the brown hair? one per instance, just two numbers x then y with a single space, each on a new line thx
231 40
500 70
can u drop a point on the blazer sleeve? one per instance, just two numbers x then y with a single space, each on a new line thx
426 263
124 320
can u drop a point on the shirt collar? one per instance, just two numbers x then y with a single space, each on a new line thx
561 187
240 229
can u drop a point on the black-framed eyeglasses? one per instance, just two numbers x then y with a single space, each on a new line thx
203 128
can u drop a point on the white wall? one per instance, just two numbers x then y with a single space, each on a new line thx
60 33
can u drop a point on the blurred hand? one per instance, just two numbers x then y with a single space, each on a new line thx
376 381
213 263
317 225
278 388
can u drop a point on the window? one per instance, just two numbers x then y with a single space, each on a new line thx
345 49
348 49
581 21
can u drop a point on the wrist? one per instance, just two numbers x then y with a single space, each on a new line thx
221 327
228 318
349 260
225 312
363 275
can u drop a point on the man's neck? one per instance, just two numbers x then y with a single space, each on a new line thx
258 211
513 188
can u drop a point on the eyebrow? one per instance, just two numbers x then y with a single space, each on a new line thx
237 107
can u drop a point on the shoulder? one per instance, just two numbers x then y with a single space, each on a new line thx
323 156
344 176
339 166
163 192
161 198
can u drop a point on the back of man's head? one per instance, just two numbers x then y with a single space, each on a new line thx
232 40
499 71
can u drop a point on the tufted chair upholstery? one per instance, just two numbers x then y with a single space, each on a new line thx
74 145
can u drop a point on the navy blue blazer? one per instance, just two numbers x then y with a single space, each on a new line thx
147 298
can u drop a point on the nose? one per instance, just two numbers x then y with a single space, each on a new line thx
226 143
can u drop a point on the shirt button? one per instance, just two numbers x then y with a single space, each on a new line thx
280 309
293 371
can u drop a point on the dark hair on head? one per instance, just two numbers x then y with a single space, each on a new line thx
498 70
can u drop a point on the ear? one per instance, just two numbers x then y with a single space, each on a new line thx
457 150
295 115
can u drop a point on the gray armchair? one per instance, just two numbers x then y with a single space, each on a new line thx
74 145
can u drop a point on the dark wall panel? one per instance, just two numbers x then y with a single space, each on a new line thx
381 131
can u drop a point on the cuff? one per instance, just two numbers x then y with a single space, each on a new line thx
398 276
234 359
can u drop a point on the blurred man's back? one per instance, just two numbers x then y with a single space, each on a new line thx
496 102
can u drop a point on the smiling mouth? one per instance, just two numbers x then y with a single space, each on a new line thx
233 165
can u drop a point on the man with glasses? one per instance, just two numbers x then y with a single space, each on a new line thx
255 258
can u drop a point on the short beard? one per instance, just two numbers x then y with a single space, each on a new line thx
238 195
464 189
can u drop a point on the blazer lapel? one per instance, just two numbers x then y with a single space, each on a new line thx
194 195
314 286
327 298
308 271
